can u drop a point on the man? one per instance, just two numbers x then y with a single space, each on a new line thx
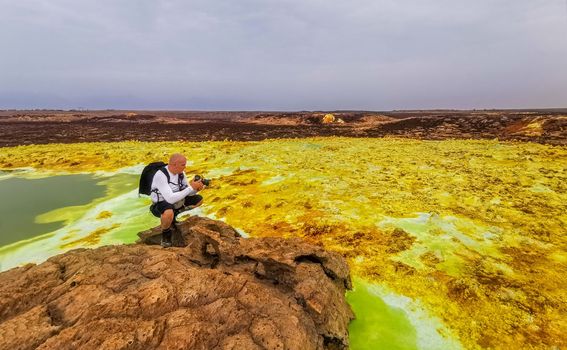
173 196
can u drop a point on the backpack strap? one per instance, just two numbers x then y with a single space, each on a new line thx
166 173
180 182
179 178
164 170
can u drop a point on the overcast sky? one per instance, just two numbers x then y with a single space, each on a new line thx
283 54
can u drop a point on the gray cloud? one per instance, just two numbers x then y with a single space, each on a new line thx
284 54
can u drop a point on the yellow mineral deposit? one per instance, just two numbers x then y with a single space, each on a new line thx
105 214
328 119
535 128
472 230
93 237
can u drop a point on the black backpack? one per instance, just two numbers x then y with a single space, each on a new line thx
147 177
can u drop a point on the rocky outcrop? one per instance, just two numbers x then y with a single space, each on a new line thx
214 291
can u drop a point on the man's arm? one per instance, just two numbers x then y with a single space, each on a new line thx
192 187
160 182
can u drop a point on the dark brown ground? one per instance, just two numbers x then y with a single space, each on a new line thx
39 127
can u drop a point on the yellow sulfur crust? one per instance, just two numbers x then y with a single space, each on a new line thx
475 230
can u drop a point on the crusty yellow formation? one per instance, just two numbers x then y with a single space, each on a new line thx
475 230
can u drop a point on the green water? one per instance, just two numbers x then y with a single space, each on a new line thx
22 200
69 212
378 325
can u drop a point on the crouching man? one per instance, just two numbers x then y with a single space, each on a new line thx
171 194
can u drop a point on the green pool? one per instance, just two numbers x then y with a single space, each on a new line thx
23 199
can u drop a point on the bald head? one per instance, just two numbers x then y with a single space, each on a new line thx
177 163
177 157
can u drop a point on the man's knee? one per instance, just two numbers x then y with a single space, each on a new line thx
193 201
167 215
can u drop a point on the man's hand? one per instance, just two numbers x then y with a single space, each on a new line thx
197 185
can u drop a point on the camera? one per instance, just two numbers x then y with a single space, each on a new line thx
205 182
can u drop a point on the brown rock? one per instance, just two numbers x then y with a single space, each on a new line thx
215 291
41 127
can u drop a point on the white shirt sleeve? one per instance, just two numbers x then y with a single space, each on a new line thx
160 182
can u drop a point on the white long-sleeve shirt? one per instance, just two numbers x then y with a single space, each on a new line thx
169 192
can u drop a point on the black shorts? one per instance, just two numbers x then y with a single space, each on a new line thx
160 207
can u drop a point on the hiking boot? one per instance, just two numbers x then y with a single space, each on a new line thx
166 243
166 238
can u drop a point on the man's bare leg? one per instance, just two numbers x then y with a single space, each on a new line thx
166 220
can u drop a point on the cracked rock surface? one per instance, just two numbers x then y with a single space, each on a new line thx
214 290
